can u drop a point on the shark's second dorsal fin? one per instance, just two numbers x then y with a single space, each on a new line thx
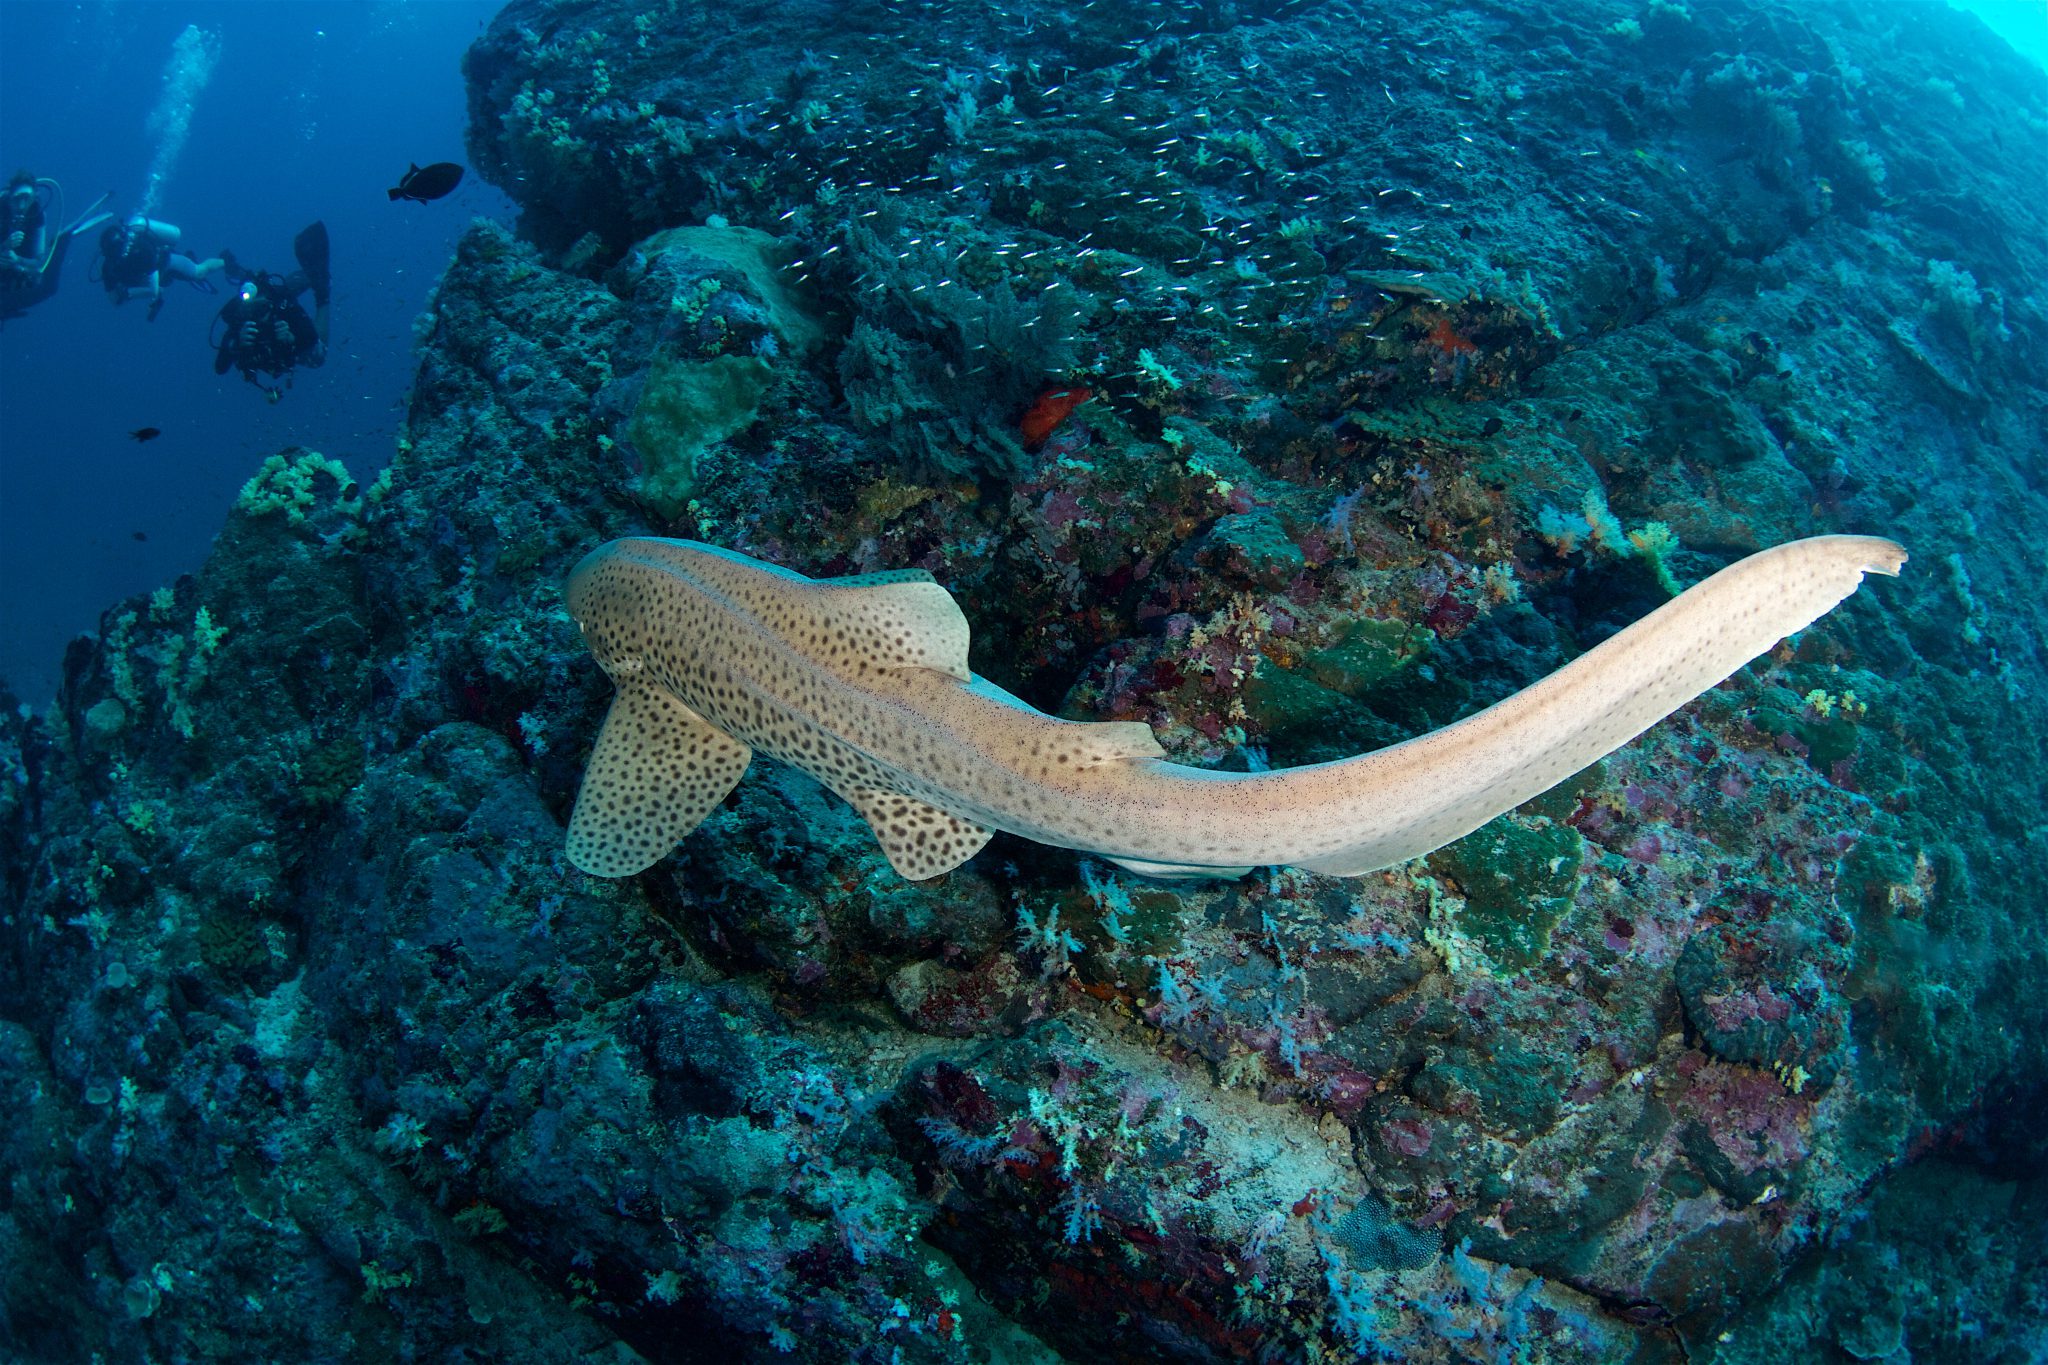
887 620
657 770
920 840
1115 741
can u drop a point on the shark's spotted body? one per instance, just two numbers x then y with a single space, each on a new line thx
863 683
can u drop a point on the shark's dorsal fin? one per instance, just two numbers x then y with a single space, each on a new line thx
919 839
657 770
888 620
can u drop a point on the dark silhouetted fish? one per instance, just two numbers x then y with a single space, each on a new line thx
421 183
146 433
138 535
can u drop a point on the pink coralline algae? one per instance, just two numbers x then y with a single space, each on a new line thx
1410 1137
1750 1115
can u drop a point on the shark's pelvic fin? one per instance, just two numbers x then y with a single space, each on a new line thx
657 770
920 840
1175 872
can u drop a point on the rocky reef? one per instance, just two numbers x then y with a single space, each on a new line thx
1290 377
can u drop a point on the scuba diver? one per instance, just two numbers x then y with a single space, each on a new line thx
24 227
137 254
265 331
31 257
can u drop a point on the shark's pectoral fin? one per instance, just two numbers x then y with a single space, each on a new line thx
919 839
657 770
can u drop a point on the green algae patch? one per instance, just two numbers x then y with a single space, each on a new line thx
1306 722
1370 654
1281 701
688 407
1310 710
1518 877
331 771
1561 802
1825 734
1253 547
760 258
1512 1088
1156 924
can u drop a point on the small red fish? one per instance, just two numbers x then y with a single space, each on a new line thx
1446 338
1053 407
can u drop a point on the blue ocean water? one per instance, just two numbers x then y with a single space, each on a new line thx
2023 23
310 111
321 1041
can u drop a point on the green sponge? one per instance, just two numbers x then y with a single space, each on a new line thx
687 407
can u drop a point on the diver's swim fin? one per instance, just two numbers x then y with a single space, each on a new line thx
53 260
91 218
310 246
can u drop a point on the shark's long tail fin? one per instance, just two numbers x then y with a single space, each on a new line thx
1445 784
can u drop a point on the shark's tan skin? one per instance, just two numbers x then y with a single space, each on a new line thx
864 684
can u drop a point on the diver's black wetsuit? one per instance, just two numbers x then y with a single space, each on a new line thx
265 330
23 240
24 237
250 337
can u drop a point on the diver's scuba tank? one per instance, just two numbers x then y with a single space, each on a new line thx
165 234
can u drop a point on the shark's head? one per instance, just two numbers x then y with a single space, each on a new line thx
646 602
583 594
620 595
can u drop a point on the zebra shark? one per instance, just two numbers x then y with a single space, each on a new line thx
863 683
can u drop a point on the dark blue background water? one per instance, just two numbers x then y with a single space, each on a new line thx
314 107
312 111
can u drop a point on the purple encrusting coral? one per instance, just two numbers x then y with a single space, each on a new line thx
1422 350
